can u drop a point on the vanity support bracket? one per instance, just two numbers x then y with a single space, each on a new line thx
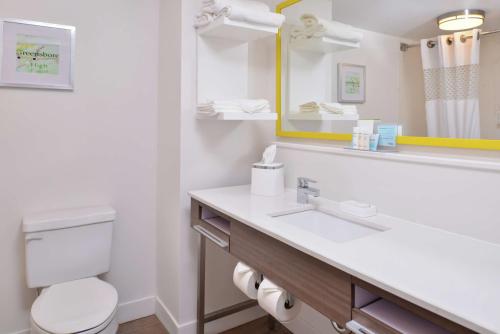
203 318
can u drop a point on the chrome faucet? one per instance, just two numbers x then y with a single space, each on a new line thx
303 190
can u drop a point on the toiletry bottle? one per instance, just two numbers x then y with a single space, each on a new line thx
364 141
374 142
355 138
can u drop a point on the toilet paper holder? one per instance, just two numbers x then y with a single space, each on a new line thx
289 302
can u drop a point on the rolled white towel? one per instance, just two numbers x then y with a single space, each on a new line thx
318 27
242 14
247 4
203 19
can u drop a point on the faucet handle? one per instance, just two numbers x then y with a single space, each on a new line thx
303 182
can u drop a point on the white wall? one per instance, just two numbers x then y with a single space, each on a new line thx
411 93
168 196
92 146
489 99
212 154
459 200
394 84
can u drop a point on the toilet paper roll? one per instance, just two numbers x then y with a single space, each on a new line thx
246 279
272 299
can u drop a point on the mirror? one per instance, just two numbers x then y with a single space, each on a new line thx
342 60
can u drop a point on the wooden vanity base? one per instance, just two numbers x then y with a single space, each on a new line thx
325 288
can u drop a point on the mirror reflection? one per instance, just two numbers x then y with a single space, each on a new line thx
431 67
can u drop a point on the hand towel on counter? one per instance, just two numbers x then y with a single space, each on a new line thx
318 27
242 105
247 11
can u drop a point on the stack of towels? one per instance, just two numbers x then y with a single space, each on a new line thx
309 107
329 107
248 11
212 108
314 26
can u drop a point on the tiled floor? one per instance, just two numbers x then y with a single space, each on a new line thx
151 325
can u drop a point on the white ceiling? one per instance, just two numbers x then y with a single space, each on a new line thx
413 19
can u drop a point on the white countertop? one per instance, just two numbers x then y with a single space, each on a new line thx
455 276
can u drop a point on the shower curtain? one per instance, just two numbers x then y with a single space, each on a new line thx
451 78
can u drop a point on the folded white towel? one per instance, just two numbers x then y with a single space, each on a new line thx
335 108
239 13
248 4
318 27
309 107
242 105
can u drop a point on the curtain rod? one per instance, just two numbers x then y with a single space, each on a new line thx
432 43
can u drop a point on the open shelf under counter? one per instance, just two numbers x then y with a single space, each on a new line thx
323 45
317 116
239 116
226 28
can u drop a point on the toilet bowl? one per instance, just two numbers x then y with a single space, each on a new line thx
85 306
65 252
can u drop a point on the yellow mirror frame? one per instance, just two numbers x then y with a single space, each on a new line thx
484 144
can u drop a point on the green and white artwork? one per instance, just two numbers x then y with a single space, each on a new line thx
37 55
351 83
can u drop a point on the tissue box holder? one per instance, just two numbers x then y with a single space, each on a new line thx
268 179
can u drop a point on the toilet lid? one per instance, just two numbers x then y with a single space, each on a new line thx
74 306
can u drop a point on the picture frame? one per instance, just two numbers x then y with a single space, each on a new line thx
351 83
36 55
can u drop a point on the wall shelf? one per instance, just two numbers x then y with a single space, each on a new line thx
229 29
317 116
323 45
239 116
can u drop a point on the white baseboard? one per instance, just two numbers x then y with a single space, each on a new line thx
24 331
169 321
136 309
217 326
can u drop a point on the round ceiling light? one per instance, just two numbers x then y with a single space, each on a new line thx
461 20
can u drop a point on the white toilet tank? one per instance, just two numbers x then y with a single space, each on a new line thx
67 245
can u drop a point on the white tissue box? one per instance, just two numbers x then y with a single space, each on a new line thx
268 179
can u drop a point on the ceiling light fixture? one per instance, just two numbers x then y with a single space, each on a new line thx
461 19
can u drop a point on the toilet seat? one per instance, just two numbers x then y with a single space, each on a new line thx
108 327
85 306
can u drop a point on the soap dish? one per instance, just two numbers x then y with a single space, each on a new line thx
358 209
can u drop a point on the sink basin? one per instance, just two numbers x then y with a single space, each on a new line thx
325 225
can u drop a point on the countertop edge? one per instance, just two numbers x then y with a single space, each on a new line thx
389 288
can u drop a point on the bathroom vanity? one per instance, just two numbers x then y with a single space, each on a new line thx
381 270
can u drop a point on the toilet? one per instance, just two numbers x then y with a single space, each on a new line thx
65 252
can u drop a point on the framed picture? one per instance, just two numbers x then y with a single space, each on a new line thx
351 83
36 55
